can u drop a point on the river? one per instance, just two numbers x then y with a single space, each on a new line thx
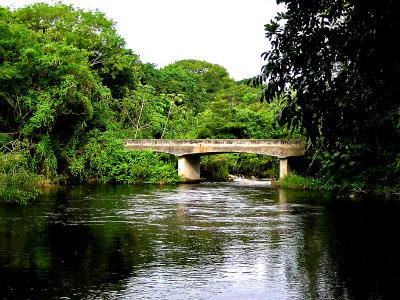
236 240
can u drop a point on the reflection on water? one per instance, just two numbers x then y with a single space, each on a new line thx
208 241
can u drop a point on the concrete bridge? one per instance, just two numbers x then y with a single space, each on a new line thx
189 151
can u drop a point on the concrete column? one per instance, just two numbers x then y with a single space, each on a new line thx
189 167
284 167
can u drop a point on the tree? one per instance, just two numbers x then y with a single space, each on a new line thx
61 71
214 77
337 65
174 80
236 120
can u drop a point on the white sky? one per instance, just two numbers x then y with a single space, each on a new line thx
225 32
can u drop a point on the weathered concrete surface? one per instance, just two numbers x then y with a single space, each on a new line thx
284 167
189 167
277 148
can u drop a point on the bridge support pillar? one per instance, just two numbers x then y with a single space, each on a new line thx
189 168
284 167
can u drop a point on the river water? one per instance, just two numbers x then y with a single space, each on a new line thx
206 241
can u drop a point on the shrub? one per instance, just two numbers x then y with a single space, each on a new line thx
17 183
255 165
216 166
104 159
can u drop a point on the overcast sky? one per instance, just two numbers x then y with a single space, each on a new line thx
225 32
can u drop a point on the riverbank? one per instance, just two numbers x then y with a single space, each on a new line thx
297 182
30 187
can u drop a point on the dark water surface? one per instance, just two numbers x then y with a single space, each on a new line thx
207 241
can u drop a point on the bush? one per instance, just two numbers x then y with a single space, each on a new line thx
255 165
17 183
104 159
216 166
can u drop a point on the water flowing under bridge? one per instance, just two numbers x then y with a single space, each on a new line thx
189 151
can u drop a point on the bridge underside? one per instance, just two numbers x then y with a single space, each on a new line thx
190 151
189 168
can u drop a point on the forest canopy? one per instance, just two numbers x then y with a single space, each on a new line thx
70 90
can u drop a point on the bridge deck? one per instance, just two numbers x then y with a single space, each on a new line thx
197 147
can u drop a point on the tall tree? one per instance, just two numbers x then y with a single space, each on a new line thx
60 70
338 66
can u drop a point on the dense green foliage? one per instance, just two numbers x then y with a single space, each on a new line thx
338 67
70 90
18 183
104 159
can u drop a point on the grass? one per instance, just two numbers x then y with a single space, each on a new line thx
297 182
